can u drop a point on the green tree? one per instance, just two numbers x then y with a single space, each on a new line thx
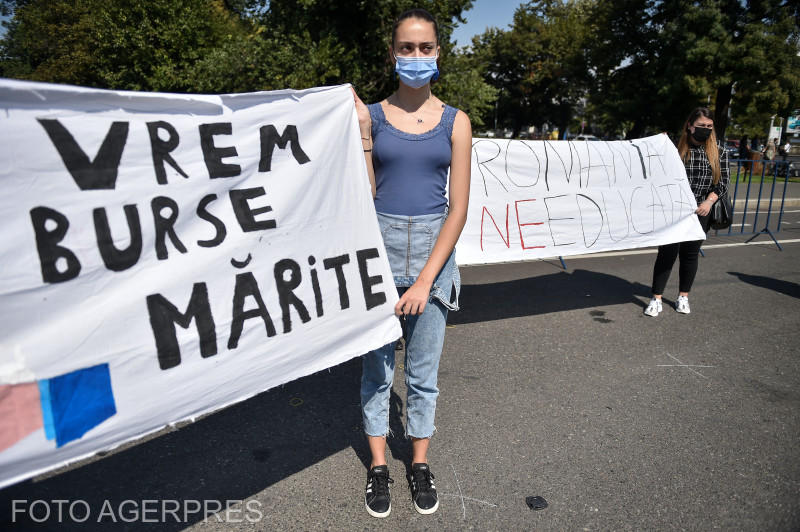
539 66
126 44
224 46
462 85
640 80
656 60
358 36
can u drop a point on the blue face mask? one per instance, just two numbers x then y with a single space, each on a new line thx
416 71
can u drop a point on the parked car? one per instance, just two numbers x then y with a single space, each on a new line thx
732 147
586 137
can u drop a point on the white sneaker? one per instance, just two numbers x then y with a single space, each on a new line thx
653 308
682 305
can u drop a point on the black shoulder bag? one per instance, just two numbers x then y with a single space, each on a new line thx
722 210
721 213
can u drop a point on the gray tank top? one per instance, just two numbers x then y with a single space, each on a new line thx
410 169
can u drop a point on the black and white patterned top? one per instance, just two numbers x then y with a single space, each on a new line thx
698 170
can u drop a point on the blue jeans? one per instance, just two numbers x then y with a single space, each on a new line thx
409 241
424 340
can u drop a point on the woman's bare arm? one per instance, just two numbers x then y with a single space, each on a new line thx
365 126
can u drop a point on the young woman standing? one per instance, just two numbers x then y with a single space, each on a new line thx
707 170
411 140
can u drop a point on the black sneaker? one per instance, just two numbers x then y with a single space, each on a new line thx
376 495
423 492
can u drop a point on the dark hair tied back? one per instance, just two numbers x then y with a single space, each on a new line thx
697 112
418 13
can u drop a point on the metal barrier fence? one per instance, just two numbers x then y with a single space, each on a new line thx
751 173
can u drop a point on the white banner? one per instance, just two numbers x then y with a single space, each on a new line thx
535 199
165 255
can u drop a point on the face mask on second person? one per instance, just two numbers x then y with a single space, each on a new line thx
701 134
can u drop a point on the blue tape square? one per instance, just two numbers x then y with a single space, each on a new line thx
47 409
80 401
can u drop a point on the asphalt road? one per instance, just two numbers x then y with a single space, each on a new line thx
553 383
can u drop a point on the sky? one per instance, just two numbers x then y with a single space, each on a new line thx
485 14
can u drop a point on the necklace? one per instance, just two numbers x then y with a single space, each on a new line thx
419 120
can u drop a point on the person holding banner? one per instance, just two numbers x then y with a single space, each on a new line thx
411 140
707 169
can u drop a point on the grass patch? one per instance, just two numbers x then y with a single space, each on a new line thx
745 174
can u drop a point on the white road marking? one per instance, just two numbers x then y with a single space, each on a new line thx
687 366
760 243
682 366
463 506
655 250
454 496
648 251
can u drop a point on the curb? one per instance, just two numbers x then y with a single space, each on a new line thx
764 204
